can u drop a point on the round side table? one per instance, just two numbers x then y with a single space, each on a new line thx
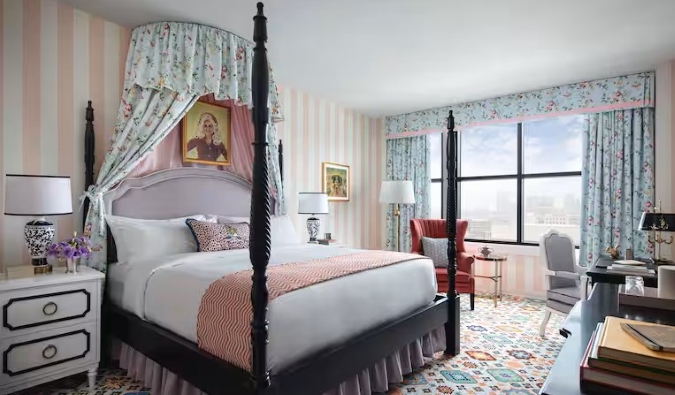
497 276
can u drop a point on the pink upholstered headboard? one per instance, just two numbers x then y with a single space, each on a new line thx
178 192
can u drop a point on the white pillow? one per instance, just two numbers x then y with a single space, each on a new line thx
283 231
141 238
232 220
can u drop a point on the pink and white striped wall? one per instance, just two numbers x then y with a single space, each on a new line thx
524 274
53 58
316 131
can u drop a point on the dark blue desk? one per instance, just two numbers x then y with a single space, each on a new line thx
599 274
563 378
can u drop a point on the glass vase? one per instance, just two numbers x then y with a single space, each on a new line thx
71 265
635 285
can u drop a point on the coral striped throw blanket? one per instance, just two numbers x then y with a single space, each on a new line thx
225 312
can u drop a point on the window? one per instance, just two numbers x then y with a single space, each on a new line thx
436 171
516 181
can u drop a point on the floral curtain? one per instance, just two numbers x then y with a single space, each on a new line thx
195 59
618 182
145 117
275 170
616 93
407 159
169 66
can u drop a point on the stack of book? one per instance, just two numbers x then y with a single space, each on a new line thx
630 267
621 360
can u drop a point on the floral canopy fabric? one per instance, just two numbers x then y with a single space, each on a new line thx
169 66
196 60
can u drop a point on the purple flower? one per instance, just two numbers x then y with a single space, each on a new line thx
74 247
68 252
84 251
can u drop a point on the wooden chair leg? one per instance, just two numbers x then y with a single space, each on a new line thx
542 328
472 300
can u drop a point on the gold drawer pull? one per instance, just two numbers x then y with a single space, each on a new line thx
50 308
49 352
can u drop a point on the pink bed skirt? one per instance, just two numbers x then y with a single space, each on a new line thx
377 378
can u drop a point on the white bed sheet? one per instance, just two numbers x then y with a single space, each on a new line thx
167 291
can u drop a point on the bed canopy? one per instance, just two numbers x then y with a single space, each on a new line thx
365 361
169 66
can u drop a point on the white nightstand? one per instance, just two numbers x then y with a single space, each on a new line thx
50 327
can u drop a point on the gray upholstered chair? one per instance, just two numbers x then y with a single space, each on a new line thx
567 283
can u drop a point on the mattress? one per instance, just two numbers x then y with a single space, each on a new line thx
167 291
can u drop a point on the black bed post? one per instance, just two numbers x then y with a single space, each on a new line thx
261 208
452 325
89 148
281 160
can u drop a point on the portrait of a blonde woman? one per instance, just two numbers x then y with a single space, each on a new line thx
206 134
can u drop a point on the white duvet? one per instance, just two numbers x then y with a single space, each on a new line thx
167 291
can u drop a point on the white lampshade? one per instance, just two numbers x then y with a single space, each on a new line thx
37 196
312 203
401 192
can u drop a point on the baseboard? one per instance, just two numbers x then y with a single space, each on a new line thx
526 295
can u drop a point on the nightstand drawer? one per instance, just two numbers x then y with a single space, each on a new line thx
50 305
40 353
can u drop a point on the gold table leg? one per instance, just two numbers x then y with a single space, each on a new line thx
497 282
496 277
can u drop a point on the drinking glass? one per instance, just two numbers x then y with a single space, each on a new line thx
635 285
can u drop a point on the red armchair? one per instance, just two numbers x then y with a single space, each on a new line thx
464 281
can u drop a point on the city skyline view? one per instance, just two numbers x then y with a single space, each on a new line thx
551 145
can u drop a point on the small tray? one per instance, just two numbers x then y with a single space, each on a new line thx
650 300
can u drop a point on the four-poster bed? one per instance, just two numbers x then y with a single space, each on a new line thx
315 373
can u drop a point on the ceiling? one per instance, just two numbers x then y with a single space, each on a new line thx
385 57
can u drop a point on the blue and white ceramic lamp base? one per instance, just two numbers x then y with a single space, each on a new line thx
39 235
313 225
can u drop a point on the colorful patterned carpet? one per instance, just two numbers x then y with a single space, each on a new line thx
502 354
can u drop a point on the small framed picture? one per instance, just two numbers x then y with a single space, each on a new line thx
206 135
335 180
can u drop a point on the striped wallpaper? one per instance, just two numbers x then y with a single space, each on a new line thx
53 59
524 274
315 131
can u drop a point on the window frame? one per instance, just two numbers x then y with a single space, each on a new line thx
520 176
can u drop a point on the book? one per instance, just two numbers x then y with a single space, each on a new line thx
623 368
617 345
631 269
655 375
605 382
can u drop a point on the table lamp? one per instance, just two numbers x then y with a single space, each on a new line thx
312 203
38 197
397 192
658 222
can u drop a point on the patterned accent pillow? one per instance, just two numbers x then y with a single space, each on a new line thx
437 250
219 237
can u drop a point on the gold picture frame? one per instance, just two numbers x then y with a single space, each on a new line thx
206 134
336 181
